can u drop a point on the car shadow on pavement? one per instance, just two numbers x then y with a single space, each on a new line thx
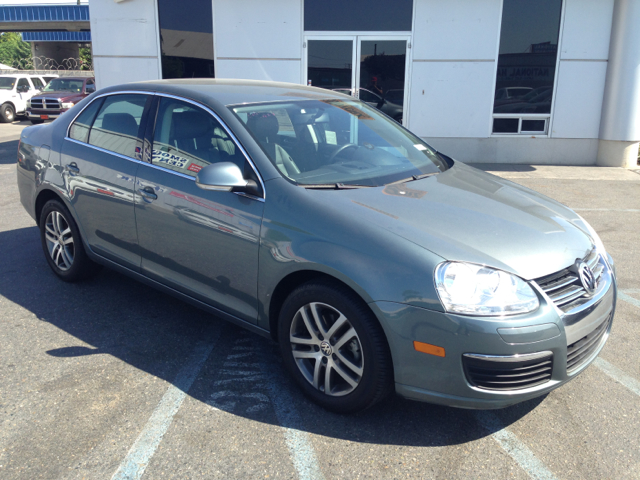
155 333
9 152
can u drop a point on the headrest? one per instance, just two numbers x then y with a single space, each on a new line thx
123 123
191 124
263 124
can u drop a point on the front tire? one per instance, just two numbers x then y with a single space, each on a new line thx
7 113
334 347
62 244
36 121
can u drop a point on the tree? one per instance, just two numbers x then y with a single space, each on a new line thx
13 51
86 61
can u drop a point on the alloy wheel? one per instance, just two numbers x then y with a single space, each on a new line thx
326 348
59 240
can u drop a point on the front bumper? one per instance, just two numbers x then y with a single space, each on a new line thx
38 114
446 380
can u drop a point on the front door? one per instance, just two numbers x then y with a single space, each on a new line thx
203 243
371 68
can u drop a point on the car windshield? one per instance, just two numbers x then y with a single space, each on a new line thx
64 85
7 83
335 141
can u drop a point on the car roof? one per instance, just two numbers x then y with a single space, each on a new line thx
232 91
74 78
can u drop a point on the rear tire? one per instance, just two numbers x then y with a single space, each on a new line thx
334 347
62 244
7 113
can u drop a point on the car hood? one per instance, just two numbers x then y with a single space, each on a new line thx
60 95
467 215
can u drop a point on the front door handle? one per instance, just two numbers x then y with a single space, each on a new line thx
73 168
148 193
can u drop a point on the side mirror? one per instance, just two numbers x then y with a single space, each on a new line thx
22 89
225 177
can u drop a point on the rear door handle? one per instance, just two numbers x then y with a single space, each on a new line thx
148 193
73 168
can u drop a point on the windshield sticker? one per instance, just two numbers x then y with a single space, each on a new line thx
194 168
331 137
420 147
349 108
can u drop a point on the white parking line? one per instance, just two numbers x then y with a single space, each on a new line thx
606 209
618 375
298 441
514 447
136 461
628 299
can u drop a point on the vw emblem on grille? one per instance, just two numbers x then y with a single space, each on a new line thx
587 278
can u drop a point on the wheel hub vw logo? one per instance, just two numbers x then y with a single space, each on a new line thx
326 348
587 278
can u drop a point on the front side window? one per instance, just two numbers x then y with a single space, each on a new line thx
22 83
335 141
117 126
526 65
187 139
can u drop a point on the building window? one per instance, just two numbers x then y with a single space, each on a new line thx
526 66
186 38
358 15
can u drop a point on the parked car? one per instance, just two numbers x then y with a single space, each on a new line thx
58 96
15 90
392 109
376 262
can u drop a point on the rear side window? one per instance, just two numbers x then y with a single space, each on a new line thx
81 127
37 83
117 125
187 139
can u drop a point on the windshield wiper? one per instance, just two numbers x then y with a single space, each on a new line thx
335 186
413 177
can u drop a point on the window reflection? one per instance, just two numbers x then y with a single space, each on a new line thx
527 59
358 15
186 37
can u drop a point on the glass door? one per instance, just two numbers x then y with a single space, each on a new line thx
371 68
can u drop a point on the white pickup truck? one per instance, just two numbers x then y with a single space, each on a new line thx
15 90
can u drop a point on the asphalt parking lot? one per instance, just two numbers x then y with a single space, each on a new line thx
112 379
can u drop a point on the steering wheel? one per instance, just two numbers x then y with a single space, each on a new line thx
340 150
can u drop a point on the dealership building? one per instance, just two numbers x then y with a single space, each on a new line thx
509 81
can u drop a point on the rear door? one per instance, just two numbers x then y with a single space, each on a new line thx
100 158
200 242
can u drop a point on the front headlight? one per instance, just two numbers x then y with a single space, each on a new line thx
68 105
477 290
29 103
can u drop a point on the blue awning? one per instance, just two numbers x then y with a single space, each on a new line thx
78 37
45 13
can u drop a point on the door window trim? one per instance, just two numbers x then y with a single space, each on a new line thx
187 100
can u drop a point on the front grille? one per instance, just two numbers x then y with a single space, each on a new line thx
565 289
505 373
45 103
579 352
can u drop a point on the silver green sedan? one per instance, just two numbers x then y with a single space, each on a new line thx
376 262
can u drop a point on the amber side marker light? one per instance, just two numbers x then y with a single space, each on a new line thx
428 348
